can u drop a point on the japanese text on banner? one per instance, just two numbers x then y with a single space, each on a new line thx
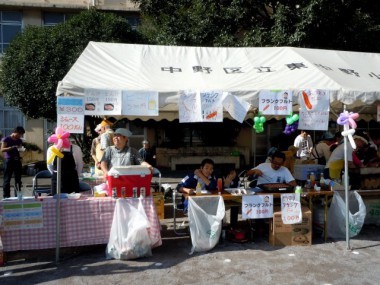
315 109
257 206
70 114
291 208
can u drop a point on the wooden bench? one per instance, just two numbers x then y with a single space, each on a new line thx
175 160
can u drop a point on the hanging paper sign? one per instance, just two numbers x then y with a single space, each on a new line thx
378 112
102 102
189 107
203 106
140 103
275 102
257 206
70 114
314 110
236 107
291 208
212 108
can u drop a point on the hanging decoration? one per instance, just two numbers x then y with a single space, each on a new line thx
347 120
60 140
259 123
291 124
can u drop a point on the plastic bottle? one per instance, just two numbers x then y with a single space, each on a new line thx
322 180
198 189
312 179
220 186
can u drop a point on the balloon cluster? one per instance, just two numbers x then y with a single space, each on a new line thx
291 124
60 139
347 119
259 123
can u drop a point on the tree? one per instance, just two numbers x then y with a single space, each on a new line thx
342 25
41 56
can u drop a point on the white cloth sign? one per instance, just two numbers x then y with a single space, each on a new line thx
102 102
291 208
140 103
275 102
257 206
314 109
70 114
237 107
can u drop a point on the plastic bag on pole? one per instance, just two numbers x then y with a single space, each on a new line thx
129 237
336 227
205 221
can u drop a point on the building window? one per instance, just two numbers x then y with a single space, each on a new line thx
52 19
133 21
10 25
9 118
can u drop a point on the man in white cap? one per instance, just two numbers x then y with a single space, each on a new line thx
120 153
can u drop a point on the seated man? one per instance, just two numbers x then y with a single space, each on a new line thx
273 172
120 154
203 176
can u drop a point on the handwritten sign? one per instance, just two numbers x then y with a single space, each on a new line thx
70 114
275 102
200 106
236 107
140 103
23 215
102 102
314 110
257 206
291 208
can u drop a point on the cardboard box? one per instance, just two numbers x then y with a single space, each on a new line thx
129 177
302 171
159 202
295 234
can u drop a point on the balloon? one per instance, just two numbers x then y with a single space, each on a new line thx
262 119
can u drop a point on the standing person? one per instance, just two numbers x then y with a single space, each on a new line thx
106 138
120 153
321 151
148 153
203 175
12 162
95 151
71 169
305 145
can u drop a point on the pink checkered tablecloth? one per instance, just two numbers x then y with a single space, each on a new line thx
84 221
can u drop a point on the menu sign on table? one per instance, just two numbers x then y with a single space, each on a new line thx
291 208
257 206
24 215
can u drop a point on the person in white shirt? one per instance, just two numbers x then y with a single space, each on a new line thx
305 145
273 172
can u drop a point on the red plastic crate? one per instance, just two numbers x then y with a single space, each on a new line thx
129 177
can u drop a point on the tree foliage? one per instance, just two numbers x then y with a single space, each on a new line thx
41 56
341 25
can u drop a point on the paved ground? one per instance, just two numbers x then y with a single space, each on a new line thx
253 262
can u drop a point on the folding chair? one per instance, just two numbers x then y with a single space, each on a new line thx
156 185
38 189
175 209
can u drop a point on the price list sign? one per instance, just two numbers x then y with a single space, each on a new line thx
257 206
291 208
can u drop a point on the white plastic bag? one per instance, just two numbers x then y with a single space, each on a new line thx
336 227
129 237
205 221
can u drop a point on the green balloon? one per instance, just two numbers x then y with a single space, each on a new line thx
262 119
295 117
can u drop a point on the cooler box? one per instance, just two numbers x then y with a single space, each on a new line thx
129 177
302 171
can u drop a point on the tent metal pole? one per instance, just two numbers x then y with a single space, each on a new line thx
58 211
346 189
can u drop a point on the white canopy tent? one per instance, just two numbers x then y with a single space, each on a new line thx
352 78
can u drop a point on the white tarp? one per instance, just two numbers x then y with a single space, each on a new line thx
352 78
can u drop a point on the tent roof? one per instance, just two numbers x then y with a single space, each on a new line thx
353 78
